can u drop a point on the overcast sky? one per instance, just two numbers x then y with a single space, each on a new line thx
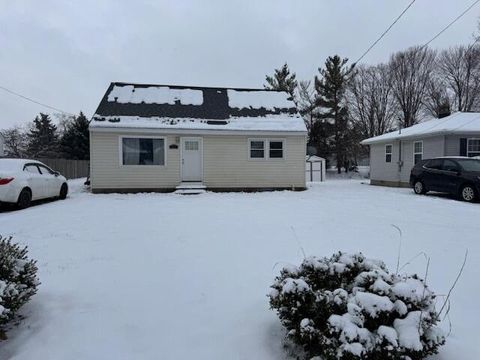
65 53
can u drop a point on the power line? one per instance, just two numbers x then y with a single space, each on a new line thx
451 23
37 102
385 32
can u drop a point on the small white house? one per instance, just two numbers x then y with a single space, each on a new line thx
393 155
315 168
161 138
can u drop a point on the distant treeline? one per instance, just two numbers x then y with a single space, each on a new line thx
43 139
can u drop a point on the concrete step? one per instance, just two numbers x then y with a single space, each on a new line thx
191 185
190 191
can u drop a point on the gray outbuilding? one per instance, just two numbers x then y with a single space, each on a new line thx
393 155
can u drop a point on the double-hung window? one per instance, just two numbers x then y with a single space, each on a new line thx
143 151
266 149
388 153
417 151
473 147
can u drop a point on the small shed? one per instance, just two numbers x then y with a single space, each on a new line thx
315 168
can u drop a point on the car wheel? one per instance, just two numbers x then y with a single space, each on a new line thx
63 192
419 188
24 199
468 193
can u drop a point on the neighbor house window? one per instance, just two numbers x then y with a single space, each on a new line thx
417 151
275 149
143 151
473 147
388 153
257 149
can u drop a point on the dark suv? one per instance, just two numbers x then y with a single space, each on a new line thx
459 176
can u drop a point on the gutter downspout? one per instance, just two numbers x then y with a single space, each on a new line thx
400 161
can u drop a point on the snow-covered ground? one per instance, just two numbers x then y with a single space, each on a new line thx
164 276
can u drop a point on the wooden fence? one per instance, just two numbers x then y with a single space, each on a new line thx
71 169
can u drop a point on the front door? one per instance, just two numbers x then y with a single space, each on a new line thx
192 159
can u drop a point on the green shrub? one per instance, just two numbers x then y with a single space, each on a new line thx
350 307
18 279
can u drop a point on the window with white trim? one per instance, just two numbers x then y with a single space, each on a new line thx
417 151
473 147
388 153
257 149
266 148
275 149
143 151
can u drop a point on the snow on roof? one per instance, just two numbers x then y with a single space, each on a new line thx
457 123
292 123
155 95
126 105
258 99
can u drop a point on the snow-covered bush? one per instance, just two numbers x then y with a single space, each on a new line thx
18 279
350 307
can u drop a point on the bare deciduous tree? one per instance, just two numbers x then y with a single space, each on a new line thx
411 72
15 142
459 66
371 102
438 100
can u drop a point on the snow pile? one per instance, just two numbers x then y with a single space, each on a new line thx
155 95
351 307
18 280
269 100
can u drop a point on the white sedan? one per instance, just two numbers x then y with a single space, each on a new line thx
23 181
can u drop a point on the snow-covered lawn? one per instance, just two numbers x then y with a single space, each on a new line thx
164 276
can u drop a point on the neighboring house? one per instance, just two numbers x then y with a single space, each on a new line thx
393 155
161 137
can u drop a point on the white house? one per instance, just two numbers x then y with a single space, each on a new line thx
161 138
393 155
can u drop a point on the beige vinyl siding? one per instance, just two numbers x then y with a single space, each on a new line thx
379 168
452 143
107 173
226 163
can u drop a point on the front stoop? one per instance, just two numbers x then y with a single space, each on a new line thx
190 188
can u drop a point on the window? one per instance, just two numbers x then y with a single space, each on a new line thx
449 165
266 149
31 168
417 151
45 170
388 153
473 147
143 151
435 164
191 145
275 149
257 149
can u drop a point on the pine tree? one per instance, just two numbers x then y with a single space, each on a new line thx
282 80
42 138
331 87
75 142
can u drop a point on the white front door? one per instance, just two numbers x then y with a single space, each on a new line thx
192 159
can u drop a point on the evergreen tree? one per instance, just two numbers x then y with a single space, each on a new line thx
75 141
282 80
330 88
42 138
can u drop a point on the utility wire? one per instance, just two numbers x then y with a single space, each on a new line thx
451 23
385 32
36 102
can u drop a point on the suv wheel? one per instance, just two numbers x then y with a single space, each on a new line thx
24 199
468 193
419 188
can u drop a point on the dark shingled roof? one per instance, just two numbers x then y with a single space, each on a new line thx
215 105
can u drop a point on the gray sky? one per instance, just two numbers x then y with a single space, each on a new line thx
65 53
